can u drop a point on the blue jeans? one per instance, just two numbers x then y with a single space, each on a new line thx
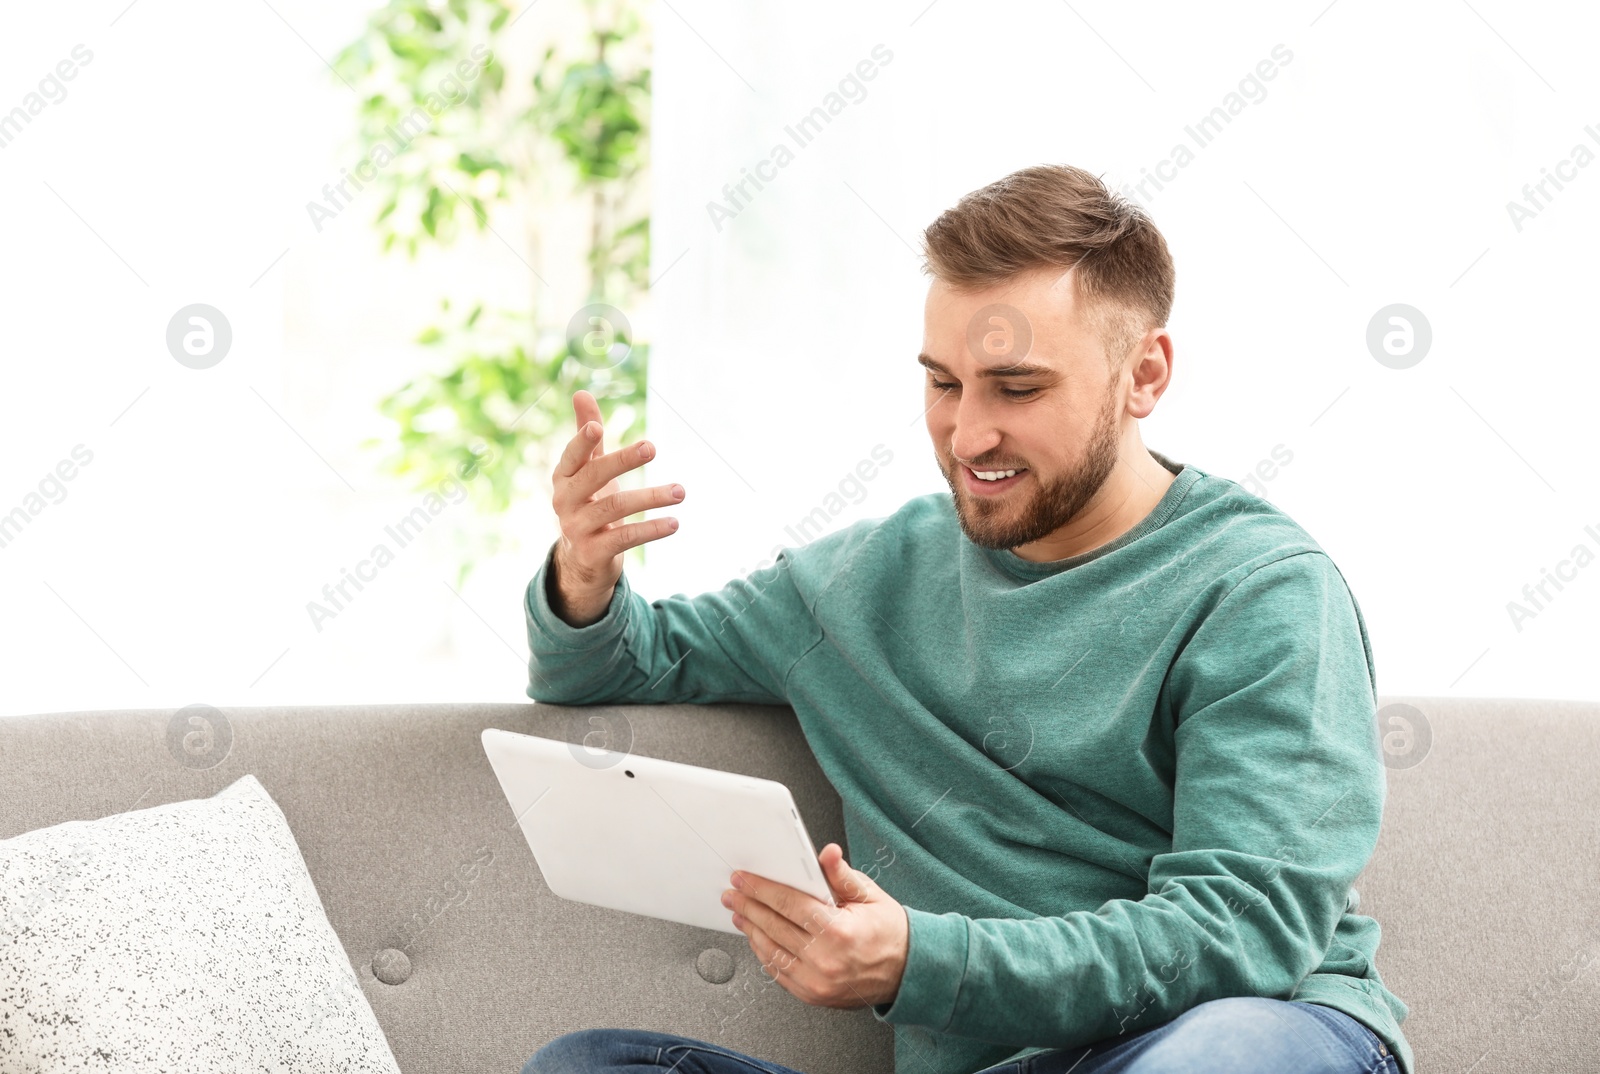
1236 1035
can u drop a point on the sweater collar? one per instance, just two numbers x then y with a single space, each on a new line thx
1029 570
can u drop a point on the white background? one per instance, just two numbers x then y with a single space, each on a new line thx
1376 170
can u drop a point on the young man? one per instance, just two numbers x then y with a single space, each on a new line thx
1104 722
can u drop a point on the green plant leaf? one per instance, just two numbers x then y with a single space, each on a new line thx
501 378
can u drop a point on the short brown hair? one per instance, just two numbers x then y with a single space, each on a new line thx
1055 214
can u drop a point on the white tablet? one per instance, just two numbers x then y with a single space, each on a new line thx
650 836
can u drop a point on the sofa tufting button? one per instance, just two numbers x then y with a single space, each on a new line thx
391 966
715 965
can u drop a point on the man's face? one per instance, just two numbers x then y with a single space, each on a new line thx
1055 419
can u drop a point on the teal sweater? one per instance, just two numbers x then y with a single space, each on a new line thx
1105 788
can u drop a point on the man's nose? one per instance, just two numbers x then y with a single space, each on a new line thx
974 431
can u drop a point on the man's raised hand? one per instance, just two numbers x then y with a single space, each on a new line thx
590 505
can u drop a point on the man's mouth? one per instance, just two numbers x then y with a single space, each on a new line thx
990 482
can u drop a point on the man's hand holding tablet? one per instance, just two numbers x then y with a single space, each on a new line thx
852 955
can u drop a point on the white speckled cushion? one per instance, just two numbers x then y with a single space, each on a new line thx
184 937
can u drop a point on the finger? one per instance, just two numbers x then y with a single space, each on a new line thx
585 408
579 450
792 936
620 505
595 473
779 963
790 902
797 977
848 884
619 539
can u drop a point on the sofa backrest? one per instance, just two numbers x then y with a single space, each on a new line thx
1486 881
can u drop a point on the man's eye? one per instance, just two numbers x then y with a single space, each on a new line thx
1014 393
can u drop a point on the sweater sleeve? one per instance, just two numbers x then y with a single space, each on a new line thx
735 644
1277 798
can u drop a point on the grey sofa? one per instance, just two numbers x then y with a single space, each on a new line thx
1486 880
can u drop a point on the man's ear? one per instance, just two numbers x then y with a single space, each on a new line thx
1149 368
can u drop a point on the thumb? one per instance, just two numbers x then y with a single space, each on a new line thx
848 884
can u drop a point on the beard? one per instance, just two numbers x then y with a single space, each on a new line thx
1011 521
